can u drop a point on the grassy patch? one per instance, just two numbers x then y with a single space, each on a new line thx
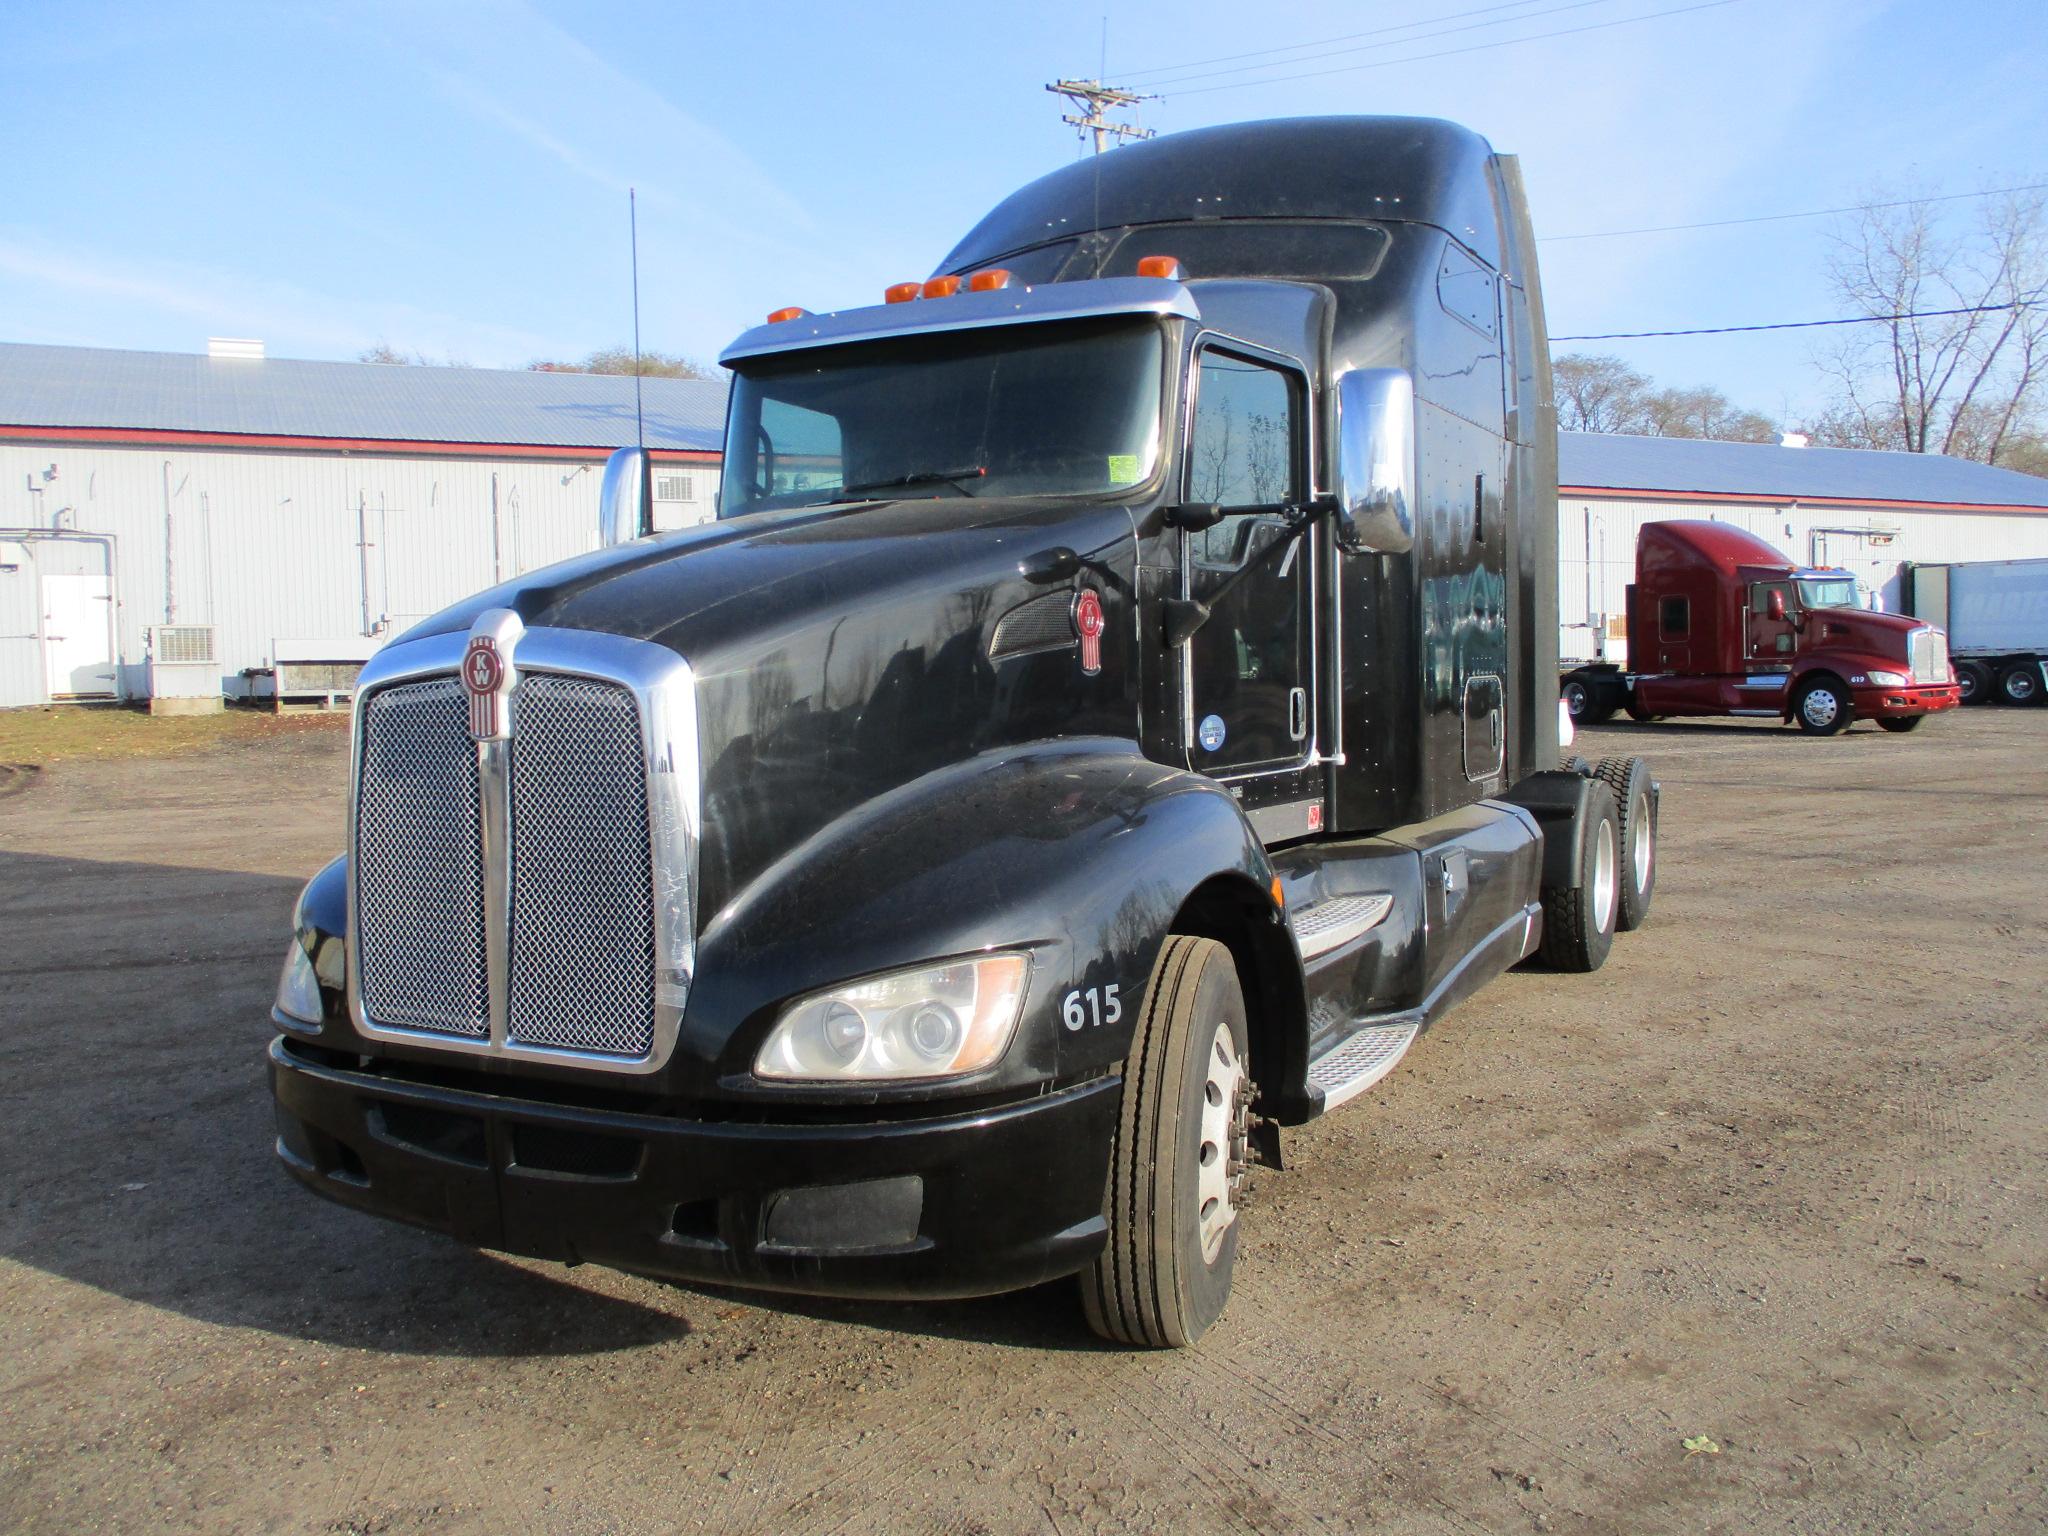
71 731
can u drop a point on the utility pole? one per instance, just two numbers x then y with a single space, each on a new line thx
1090 98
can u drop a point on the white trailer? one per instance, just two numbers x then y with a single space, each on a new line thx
1996 615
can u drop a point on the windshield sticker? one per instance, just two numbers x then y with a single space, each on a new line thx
1123 467
1211 733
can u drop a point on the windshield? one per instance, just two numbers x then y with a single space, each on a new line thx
1835 592
1029 410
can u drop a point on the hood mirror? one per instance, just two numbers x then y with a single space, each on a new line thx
625 502
1376 462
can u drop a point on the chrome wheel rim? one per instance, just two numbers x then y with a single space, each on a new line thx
1639 844
1221 1161
1575 700
1820 706
2019 687
1604 863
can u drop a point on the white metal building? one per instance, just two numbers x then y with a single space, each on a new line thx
218 505
171 521
1869 513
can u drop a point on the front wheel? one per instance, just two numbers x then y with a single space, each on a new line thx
1900 723
1180 1159
1823 707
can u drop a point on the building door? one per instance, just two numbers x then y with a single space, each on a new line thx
1251 664
21 653
78 649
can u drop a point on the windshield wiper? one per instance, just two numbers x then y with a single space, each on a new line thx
951 477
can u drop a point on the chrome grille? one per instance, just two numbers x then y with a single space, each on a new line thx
418 863
1928 649
582 950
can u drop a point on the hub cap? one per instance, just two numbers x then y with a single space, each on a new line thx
1820 706
1604 863
1640 852
1221 1160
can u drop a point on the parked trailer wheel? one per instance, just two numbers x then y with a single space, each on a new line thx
1180 1159
1975 681
2020 683
1901 723
1578 921
1823 707
1629 778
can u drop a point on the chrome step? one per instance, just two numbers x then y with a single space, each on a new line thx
1359 1060
1334 922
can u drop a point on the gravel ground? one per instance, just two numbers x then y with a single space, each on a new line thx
1770 1183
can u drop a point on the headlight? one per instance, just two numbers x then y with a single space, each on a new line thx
935 1021
298 988
1890 679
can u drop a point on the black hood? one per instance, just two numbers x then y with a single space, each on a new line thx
841 652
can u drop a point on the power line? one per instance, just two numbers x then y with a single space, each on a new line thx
1445 53
1804 325
1169 69
1399 42
1775 218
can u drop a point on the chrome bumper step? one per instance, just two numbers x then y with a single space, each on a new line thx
1334 922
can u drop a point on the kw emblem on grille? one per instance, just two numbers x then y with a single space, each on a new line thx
487 673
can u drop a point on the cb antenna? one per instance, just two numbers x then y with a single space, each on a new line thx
633 225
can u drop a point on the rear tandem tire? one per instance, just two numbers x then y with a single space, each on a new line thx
1587 701
1629 778
2020 683
1578 920
1178 1163
1975 680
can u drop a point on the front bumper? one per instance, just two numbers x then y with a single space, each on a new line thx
1913 699
960 1205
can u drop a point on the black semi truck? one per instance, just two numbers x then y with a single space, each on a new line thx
1112 715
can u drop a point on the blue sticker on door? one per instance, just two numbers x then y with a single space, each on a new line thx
1210 734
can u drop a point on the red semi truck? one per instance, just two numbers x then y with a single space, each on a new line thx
1720 623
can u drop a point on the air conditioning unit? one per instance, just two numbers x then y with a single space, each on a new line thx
184 671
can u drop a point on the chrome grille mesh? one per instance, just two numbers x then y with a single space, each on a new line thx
1929 652
418 863
582 952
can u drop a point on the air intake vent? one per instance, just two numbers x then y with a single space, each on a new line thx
674 488
174 645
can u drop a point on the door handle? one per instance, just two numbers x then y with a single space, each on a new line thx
1297 713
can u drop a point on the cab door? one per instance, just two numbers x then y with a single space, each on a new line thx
1249 671
1770 640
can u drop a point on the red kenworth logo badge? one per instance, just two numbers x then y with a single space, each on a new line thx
1088 624
483 671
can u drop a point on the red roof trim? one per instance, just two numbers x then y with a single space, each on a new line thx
1622 493
146 436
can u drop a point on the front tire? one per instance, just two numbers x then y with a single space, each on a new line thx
1629 779
1578 921
1178 1166
1823 707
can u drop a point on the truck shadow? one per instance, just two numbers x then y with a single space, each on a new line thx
136 1130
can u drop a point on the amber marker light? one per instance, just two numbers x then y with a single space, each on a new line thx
988 280
794 312
900 293
1160 266
942 287
1279 893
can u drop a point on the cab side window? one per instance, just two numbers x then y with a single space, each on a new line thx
1674 618
1242 451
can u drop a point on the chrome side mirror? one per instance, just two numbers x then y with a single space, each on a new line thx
1376 462
625 502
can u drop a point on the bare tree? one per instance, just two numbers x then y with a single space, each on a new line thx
1604 394
384 352
653 365
1966 382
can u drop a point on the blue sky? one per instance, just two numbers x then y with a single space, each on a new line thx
450 177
